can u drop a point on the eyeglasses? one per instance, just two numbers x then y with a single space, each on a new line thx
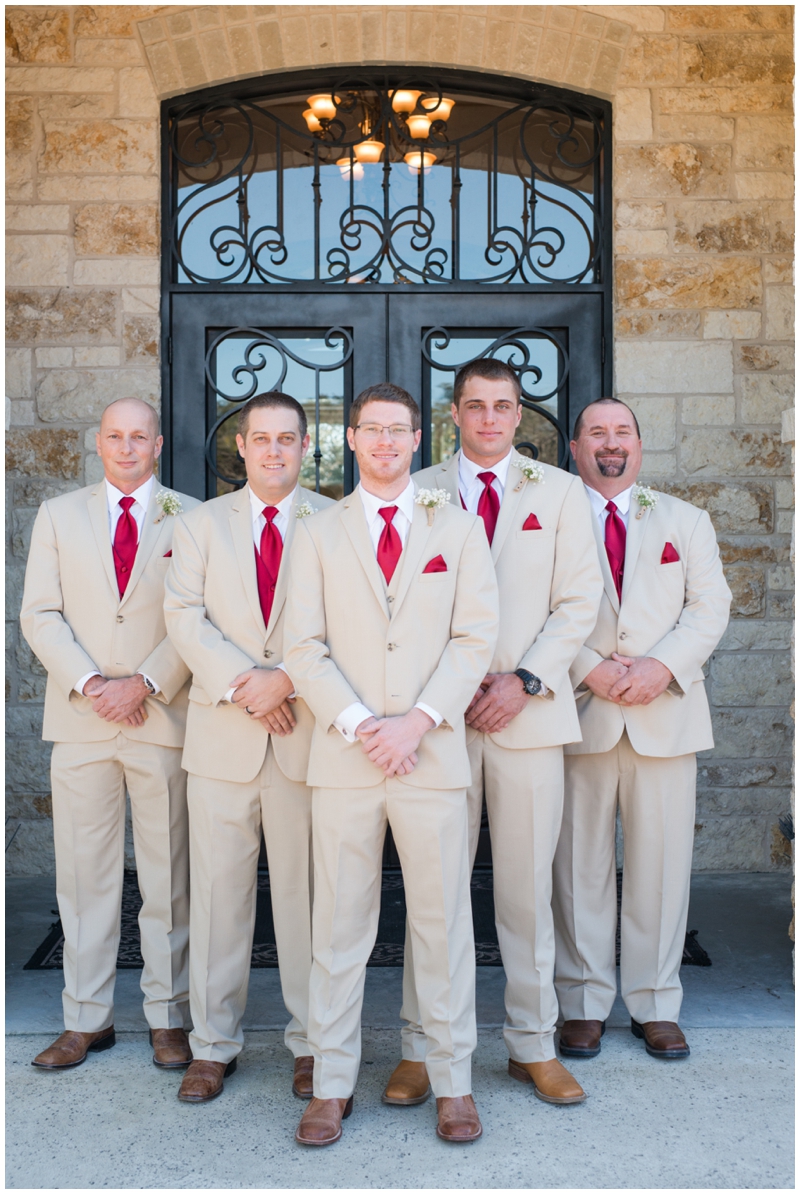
374 430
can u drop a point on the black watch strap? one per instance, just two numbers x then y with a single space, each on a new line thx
532 684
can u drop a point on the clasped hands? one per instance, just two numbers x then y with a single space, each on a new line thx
264 694
391 742
120 701
629 680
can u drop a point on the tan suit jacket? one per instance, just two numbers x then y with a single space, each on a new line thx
75 622
676 613
426 637
550 589
214 620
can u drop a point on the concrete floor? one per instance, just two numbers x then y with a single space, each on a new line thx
722 1120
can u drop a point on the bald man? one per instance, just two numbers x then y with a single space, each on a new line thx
115 711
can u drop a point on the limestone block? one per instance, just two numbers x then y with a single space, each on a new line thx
634 240
20 128
647 367
135 271
116 228
19 382
67 395
24 721
143 300
215 54
764 397
37 217
779 303
787 426
710 128
99 147
656 465
776 773
648 18
671 325
153 30
767 679
110 20
66 316
731 325
759 184
15 580
72 187
784 495
729 844
728 16
243 48
650 59
22 413
141 335
672 170
721 227
136 94
165 68
751 550
29 806
32 491
30 850
778 269
633 114
748 591
781 605
758 97
270 45
641 215
607 67
31 79
107 51
718 282
93 469
743 635
93 357
747 58
752 733
764 142
781 578
37 260
44 452
76 107
656 418
764 358
37 34
734 453
708 410
757 800
208 17
785 522
21 527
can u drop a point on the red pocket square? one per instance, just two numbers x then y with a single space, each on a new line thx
669 555
531 523
167 554
437 564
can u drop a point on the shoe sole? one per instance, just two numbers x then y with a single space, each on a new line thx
521 1075
575 1051
298 1094
229 1069
659 1054
393 1102
348 1110
99 1046
169 1065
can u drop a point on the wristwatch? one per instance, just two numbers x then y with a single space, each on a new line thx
151 691
532 684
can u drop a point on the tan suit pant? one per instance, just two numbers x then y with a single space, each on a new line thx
430 831
524 792
656 800
225 821
89 781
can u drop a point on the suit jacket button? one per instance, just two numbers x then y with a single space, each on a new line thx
390 647
623 634
120 618
267 653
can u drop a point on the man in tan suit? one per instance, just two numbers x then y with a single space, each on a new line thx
537 522
644 715
115 709
391 625
247 741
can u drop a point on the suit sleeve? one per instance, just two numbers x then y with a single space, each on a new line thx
42 615
306 655
212 659
473 632
575 594
705 612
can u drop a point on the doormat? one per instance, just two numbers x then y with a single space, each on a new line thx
388 949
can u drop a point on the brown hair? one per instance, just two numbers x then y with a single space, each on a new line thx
491 370
270 401
604 401
385 392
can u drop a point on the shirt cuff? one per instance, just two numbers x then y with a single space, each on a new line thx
229 696
543 691
350 719
437 717
80 685
152 681
281 667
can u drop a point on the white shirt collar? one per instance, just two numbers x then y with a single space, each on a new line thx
140 495
404 502
622 501
283 506
468 470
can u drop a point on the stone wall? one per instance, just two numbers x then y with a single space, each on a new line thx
703 272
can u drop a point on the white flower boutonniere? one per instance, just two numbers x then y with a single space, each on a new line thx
647 500
170 503
531 471
432 500
304 509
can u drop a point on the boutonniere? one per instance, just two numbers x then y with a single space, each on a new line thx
304 509
170 503
647 500
531 471
432 500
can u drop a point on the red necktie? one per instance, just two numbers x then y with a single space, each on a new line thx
615 546
389 546
126 540
488 504
268 561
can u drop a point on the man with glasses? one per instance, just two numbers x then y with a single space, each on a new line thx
391 624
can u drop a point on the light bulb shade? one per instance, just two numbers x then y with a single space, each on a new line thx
405 101
438 109
419 126
418 160
345 165
323 106
314 125
369 151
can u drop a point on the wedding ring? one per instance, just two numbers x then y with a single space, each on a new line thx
247 709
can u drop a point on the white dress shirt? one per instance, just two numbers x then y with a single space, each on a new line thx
141 498
351 718
622 501
471 488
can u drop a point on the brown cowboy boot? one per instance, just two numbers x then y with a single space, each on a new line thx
322 1121
170 1048
552 1082
71 1048
458 1120
303 1081
408 1085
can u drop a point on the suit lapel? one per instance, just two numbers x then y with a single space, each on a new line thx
605 568
281 588
355 525
242 533
418 536
512 497
98 516
637 528
149 537
447 478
